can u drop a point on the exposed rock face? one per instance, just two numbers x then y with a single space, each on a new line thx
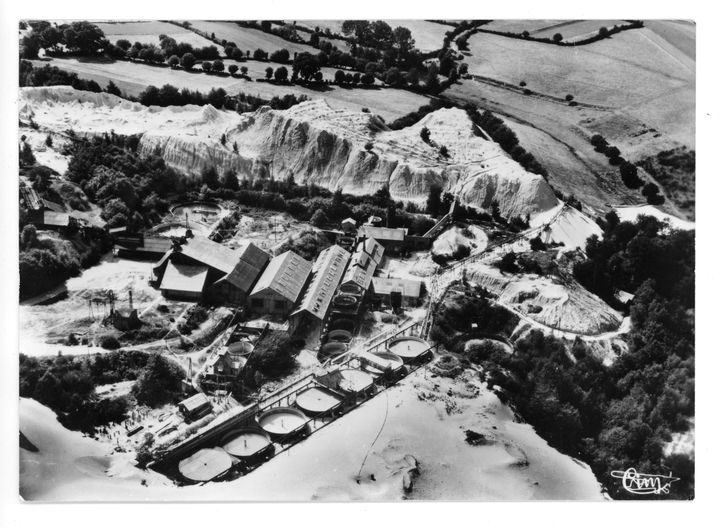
312 142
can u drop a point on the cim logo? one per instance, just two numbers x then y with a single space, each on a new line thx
644 484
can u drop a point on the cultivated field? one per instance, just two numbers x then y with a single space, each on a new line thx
571 30
249 38
148 33
133 78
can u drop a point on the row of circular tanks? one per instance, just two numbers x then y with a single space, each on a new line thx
340 329
253 444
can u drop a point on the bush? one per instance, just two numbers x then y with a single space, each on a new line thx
109 342
159 383
508 263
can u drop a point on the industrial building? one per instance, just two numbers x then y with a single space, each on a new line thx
195 407
279 286
198 269
327 272
408 291
141 246
365 260
392 239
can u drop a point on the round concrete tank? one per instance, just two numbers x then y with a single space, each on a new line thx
342 324
408 348
382 363
240 347
332 349
317 400
351 288
355 381
205 465
282 422
247 442
339 335
345 300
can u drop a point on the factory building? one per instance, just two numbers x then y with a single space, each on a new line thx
278 288
392 239
365 260
201 270
401 292
327 272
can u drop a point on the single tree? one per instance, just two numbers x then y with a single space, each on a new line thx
188 61
557 37
281 74
319 218
233 68
207 66
268 73
218 66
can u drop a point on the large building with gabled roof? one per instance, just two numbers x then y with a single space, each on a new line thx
364 262
199 269
327 272
278 288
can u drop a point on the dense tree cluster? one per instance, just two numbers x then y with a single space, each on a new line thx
79 37
67 385
53 76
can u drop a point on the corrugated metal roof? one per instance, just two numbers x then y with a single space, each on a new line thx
406 287
181 277
364 262
327 273
195 401
286 274
383 233
52 206
55 219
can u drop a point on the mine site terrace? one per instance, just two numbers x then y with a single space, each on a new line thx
355 260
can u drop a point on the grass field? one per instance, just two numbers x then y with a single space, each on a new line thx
133 78
571 30
248 38
148 33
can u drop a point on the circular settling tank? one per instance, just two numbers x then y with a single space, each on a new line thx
351 288
354 380
205 465
317 400
205 212
345 300
332 349
382 362
240 347
248 442
408 348
342 324
339 335
282 421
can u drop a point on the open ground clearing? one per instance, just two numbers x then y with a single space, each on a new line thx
133 78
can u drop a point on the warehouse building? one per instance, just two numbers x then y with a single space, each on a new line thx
201 270
392 239
364 262
398 292
327 272
278 288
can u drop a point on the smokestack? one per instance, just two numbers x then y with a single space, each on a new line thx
130 294
190 368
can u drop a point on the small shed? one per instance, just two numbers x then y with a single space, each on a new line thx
195 407
348 225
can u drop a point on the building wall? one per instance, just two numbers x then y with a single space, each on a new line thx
180 295
269 302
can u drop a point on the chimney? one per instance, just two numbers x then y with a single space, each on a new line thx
130 294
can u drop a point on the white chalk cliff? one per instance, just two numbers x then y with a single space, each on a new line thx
312 142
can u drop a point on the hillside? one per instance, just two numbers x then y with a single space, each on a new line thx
312 142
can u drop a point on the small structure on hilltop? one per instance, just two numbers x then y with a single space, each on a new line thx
326 275
199 269
278 288
195 407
